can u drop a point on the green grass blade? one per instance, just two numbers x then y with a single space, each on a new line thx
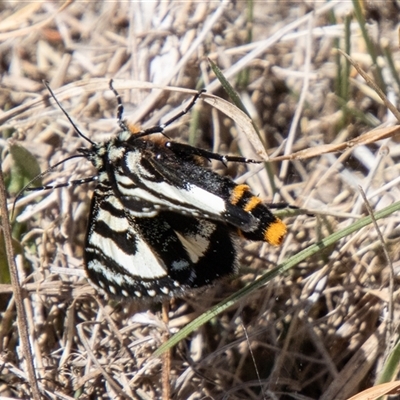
286 265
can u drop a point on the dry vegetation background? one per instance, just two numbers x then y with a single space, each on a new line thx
323 330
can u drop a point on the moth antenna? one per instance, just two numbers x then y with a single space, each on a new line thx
120 107
185 110
157 128
51 168
66 114
160 128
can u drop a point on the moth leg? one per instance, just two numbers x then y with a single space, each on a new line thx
177 116
160 128
184 150
65 184
157 128
280 206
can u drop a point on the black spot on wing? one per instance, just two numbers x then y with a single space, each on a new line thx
220 257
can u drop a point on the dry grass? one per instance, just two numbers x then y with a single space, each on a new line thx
323 330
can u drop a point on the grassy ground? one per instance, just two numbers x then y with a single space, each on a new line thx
323 329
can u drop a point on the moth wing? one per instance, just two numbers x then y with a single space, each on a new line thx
211 246
115 255
165 255
176 186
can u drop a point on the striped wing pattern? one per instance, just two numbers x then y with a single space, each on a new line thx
161 224
145 256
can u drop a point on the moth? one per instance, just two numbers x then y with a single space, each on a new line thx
160 223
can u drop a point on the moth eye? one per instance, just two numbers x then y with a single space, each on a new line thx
159 156
167 144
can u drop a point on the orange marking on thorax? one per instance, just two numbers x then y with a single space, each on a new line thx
133 128
156 138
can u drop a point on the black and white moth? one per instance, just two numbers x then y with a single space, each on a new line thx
160 223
